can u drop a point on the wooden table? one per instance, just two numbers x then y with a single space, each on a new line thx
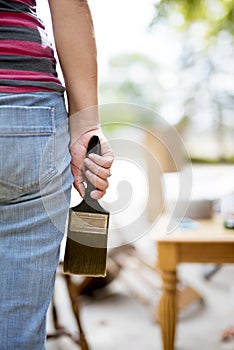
208 242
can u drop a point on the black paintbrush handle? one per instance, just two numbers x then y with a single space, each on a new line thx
94 146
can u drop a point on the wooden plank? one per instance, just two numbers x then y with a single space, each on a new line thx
217 252
167 256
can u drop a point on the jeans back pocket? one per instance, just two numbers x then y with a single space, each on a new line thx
27 141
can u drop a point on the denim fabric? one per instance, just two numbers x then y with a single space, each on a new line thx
35 186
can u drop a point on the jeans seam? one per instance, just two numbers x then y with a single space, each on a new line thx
51 168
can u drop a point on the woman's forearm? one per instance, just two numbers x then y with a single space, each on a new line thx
76 48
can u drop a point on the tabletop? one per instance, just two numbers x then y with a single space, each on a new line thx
205 230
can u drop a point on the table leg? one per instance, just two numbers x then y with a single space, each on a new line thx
167 309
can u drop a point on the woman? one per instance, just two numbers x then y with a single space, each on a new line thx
35 162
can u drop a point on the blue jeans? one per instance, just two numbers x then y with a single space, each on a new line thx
35 186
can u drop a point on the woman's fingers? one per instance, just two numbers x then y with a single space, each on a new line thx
78 180
94 168
100 171
103 161
96 194
95 173
98 182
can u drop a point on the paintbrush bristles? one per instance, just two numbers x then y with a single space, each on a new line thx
81 258
86 247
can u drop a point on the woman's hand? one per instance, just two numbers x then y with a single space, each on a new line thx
95 168
76 48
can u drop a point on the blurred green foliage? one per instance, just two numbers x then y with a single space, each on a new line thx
132 79
201 92
206 64
215 15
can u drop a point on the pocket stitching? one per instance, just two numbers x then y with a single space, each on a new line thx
51 170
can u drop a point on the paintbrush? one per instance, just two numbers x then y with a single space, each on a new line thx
86 245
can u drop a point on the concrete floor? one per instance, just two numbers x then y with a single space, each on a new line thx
123 318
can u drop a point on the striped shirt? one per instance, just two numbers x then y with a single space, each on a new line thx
27 60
